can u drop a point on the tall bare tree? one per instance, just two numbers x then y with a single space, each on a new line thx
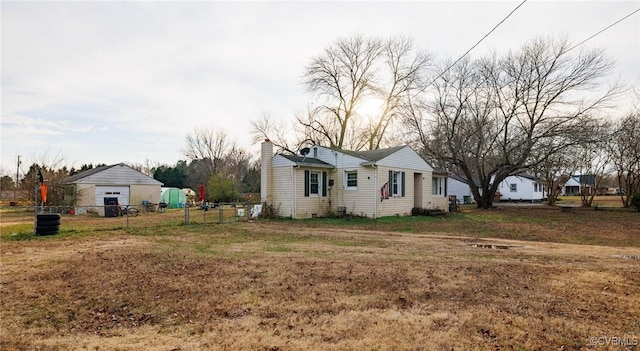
210 146
496 117
213 154
624 149
235 163
278 133
345 77
53 170
593 167
556 170
405 78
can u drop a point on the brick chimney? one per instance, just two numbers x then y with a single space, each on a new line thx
265 170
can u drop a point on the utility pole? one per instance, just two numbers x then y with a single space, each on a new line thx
15 188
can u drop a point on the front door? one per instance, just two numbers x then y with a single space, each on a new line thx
417 190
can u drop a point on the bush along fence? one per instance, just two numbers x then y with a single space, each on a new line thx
40 219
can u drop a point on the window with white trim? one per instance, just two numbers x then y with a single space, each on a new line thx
513 187
396 183
314 183
351 180
437 186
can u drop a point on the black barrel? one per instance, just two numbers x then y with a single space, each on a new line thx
47 223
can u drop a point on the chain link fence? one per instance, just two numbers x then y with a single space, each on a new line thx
22 219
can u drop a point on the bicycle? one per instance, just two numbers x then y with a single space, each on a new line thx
128 211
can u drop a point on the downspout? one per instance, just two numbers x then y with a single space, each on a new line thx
335 154
376 191
294 196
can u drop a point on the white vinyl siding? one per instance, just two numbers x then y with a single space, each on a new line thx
520 188
353 185
140 193
405 159
307 206
459 189
282 197
361 201
340 160
538 188
396 205
119 174
119 192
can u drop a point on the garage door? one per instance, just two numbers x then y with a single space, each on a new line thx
121 192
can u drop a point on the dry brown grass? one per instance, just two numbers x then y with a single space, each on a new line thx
391 285
600 201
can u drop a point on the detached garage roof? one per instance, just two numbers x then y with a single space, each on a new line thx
118 174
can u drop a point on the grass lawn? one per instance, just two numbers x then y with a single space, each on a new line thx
610 201
509 279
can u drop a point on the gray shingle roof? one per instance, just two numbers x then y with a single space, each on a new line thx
77 176
373 155
121 174
307 161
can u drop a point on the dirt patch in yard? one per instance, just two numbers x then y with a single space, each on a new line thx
277 286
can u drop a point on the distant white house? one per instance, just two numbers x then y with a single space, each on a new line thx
522 187
580 183
373 183
571 187
459 186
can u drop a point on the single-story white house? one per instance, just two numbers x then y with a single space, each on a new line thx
374 183
571 187
580 183
460 188
522 187
119 182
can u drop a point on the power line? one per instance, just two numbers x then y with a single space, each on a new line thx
609 26
478 43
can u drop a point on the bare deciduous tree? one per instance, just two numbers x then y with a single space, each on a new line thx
496 117
345 77
53 170
210 146
277 132
236 163
624 149
593 161
555 171
213 154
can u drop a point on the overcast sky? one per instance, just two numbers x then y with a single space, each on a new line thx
109 82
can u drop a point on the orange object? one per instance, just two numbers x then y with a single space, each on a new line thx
43 192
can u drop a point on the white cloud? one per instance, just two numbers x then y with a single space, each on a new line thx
139 76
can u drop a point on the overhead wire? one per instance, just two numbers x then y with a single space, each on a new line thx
504 19
478 43
609 26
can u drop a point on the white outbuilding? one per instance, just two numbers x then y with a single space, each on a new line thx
97 187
